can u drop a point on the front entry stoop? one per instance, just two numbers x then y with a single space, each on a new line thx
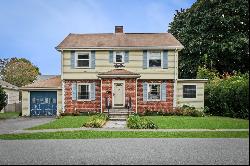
118 114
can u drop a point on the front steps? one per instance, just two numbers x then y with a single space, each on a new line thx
118 114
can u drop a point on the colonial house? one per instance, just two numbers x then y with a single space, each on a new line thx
117 70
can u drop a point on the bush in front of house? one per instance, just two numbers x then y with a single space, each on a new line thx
228 96
185 110
96 121
137 122
3 98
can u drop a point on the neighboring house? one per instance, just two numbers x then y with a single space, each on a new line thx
12 92
115 68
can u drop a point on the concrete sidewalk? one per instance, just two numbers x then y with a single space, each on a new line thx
123 129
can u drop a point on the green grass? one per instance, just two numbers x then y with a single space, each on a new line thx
64 122
8 115
186 122
124 134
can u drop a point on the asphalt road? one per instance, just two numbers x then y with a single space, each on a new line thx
126 151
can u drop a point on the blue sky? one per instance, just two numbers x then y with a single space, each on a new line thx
33 28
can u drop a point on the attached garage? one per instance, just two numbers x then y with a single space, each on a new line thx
42 98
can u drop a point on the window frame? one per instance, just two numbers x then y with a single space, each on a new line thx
89 90
149 53
76 60
123 57
189 94
148 86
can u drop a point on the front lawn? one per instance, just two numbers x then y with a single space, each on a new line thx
8 115
64 122
186 122
125 134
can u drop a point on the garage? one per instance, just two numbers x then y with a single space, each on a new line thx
43 103
42 98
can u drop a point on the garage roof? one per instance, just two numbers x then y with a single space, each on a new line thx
50 83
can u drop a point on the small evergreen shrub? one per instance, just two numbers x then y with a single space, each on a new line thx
137 122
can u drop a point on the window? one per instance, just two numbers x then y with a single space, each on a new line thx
83 60
154 59
154 91
189 91
83 92
119 57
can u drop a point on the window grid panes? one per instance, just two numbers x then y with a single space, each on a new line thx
189 91
83 92
154 92
154 59
83 60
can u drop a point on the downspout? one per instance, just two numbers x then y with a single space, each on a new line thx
175 78
101 95
136 95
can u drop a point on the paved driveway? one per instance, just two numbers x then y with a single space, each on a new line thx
126 151
13 125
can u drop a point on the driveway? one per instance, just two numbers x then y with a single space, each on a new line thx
126 151
13 125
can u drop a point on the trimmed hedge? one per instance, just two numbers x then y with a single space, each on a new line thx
228 97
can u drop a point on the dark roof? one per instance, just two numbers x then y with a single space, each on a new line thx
50 83
7 85
110 40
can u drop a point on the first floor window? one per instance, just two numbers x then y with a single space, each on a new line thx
154 59
84 92
154 91
189 91
83 60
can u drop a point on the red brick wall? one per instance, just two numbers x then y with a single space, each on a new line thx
155 105
83 106
130 88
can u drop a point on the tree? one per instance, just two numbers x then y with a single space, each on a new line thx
215 34
3 98
19 72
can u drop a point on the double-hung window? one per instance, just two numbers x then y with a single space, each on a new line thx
83 60
189 91
155 59
119 57
83 92
154 92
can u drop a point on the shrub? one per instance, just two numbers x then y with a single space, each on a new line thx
137 122
3 98
228 97
204 73
96 121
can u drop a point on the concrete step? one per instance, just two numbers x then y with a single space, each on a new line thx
118 116
118 119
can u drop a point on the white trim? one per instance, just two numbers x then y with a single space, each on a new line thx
122 48
89 89
63 96
193 80
195 91
124 92
76 60
148 84
148 55
175 78
136 95
101 96
123 57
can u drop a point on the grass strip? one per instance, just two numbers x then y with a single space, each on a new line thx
124 134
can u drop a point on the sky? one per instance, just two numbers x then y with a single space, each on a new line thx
32 29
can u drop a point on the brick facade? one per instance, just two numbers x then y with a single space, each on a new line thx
155 105
130 90
82 106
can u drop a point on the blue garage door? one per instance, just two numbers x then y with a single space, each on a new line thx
43 103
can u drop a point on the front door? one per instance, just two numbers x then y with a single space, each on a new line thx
118 93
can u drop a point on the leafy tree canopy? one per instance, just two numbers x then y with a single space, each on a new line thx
215 34
19 71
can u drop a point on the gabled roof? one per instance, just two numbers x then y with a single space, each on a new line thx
7 85
45 77
50 83
120 40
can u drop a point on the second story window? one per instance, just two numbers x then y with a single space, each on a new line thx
119 57
83 60
154 59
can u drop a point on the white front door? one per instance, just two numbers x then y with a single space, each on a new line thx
118 93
